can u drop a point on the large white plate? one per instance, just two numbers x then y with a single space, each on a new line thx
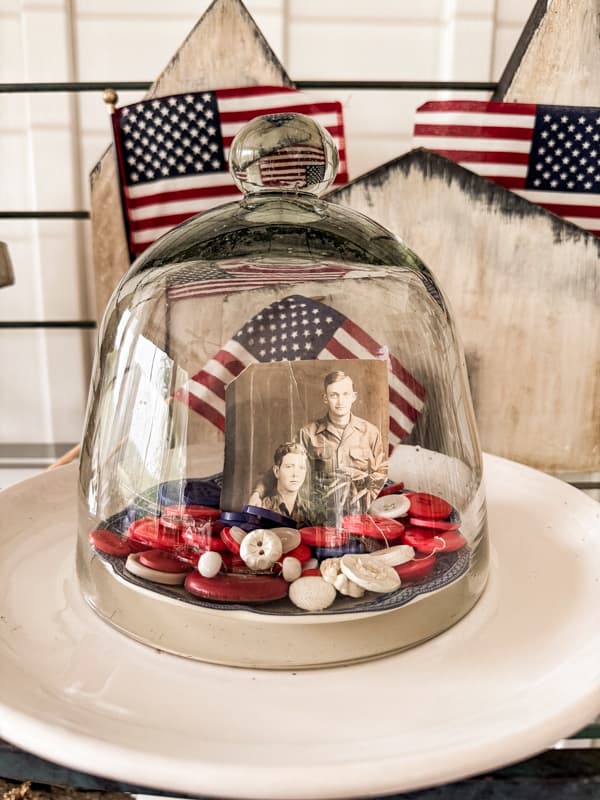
519 672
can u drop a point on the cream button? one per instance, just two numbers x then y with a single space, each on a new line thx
394 556
347 587
260 549
370 573
290 538
330 569
312 593
291 569
332 573
155 575
390 506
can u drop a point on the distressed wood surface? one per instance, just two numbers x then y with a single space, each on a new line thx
557 58
225 48
525 290
25 790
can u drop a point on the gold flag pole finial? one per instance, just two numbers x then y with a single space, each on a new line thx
111 98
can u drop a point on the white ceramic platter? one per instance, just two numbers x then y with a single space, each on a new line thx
519 672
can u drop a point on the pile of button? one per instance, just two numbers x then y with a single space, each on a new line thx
258 556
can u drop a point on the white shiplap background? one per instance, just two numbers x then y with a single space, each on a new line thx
50 142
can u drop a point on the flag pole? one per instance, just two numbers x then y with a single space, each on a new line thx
111 98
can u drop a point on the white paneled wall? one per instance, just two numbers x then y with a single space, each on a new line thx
49 142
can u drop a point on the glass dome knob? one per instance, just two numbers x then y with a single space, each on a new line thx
283 152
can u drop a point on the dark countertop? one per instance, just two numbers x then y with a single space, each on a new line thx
569 773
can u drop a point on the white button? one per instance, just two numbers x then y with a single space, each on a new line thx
290 538
260 549
312 593
209 564
157 576
394 556
370 573
347 587
291 569
390 506
330 569
331 572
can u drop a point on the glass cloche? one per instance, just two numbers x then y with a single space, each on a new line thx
280 465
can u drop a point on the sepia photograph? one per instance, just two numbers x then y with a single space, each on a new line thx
307 439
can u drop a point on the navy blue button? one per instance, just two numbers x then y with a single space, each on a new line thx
240 516
245 526
190 492
270 516
351 546
121 521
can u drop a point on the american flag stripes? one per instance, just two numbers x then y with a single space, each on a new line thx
549 155
293 166
299 328
202 279
173 151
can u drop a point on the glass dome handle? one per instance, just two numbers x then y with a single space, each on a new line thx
283 152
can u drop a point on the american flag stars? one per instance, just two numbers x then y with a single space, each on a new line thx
269 333
565 150
171 137
550 155
173 151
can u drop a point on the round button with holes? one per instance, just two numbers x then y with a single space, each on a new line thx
390 506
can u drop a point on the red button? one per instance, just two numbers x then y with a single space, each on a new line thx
149 531
424 542
234 563
429 506
163 561
434 524
111 543
234 588
232 540
417 568
302 553
188 554
319 536
201 539
373 526
454 540
395 488
230 560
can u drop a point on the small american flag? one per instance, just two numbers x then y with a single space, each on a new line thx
173 151
293 167
293 329
549 155
198 279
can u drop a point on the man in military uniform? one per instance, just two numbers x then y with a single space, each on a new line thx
346 455
282 485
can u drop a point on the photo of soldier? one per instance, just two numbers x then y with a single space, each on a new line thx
282 485
346 454
323 422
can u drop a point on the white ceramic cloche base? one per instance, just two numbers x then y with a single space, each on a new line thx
517 673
